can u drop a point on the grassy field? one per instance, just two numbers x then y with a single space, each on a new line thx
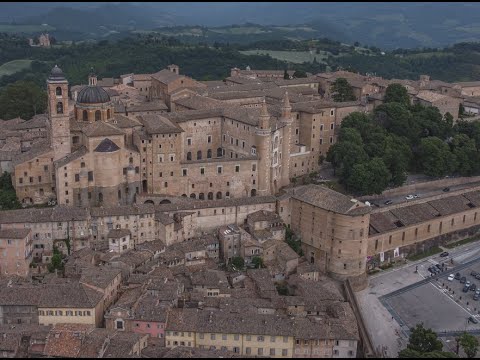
25 28
296 57
12 67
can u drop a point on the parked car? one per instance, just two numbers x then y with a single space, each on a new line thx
465 288
438 266
416 196
473 273
477 277
468 283
444 254
451 277
457 276
463 280
473 287
473 320
477 291
388 202
476 296
447 189
409 197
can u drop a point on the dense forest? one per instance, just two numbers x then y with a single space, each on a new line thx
377 150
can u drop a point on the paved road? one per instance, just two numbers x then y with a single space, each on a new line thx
421 193
384 330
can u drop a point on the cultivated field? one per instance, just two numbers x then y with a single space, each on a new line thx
296 57
14 66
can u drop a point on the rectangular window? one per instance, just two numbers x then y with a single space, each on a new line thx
77 177
202 171
184 172
284 352
219 169
212 336
237 168
189 141
209 139
90 176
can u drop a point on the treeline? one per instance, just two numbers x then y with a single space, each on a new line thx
378 150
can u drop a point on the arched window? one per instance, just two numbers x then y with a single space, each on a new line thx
209 153
210 196
108 113
82 164
100 197
184 195
85 115
219 195
219 152
199 155
165 201
59 108
189 156
58 91
227 193
201 196
253 192
276 142
193 196
98 115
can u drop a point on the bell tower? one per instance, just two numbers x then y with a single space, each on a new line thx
264 142
286 119
58 114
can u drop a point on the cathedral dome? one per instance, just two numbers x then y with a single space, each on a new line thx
93 95
56 74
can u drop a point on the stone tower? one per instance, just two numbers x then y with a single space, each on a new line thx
58 113
263 142
92 78
286 119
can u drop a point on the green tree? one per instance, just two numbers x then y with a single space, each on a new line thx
397 93
22 99
469 344
299 74
342 91
424 340
238 263
369 178
396 119
466 154
435 158
8 196
412 354
397 157
56 261
258 262
343 156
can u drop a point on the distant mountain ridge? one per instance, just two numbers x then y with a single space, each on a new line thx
385 25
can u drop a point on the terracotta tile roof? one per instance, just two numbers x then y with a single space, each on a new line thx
65 340
14 233
431 96
263 215
77 154
124 122
215 203
38 149
330 200
148 308
100 129
156 124
148 106
56 214
69 295
166 76
100 277
122 210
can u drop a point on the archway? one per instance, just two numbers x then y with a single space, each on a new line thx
253 192
184 195
199 155
210 196
58 91
193 196
219 152
219 195
149 202
98 115
201 196
209 153
165 201
59 108
85 115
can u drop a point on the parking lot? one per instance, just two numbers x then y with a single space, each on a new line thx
440 304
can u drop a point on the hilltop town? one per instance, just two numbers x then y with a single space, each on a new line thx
161 217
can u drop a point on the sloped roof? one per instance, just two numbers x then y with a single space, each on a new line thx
107 146
100 128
